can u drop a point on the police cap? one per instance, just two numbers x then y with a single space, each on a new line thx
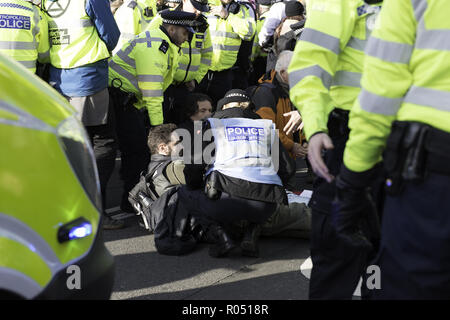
233 95
180 18
201 5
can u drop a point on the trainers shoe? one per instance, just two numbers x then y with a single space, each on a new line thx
112 224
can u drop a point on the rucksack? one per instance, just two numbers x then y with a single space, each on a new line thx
172 231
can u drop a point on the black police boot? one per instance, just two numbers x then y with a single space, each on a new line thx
223 245
249 244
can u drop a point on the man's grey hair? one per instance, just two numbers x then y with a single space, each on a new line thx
283 61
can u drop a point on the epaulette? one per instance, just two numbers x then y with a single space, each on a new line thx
164 46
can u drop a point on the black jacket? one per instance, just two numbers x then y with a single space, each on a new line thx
251 190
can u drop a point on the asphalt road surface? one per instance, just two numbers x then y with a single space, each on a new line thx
143 273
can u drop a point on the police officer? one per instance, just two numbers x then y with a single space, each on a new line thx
229 24
403 109
138 75
242 182
324 79
133 17
259 57
82 34
24 33
193 62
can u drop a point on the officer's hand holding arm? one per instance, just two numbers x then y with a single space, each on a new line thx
295 122
318 142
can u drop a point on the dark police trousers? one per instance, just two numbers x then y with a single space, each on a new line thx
174 103
414 255
216 83
337 267
103 140
130 125
226 210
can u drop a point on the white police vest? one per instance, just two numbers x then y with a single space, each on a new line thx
243 149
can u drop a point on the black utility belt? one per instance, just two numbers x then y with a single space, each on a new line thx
414 149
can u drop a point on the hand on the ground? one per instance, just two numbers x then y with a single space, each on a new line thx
317 144
295 122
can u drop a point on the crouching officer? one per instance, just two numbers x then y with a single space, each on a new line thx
404 110
193 63
138 75
245 178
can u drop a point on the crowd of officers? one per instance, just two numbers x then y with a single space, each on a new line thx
369 79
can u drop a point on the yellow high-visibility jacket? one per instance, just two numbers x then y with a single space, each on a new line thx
74 40
227 35
325 71
195 56
24 33
145 66
132 18
406 77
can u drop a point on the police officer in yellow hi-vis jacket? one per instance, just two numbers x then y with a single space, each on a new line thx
24 33
138 75
404 110
324 79
132 18
193 62
229 23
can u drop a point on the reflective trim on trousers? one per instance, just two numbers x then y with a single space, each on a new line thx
321 39
315 71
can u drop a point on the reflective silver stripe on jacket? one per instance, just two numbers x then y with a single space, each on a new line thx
81 23
17 45
316 71
210 49
374 103
193 51
225 47
230 35
321 39
347 78
437 99
150 78
152 93
126 58
184 67
389 51
124 73
206 61
28 64
434 39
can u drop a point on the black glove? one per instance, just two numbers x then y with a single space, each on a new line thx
354 207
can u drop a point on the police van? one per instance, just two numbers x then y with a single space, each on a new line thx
50 203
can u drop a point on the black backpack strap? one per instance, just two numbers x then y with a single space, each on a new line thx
156 171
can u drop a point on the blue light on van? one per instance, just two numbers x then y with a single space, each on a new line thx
76 229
